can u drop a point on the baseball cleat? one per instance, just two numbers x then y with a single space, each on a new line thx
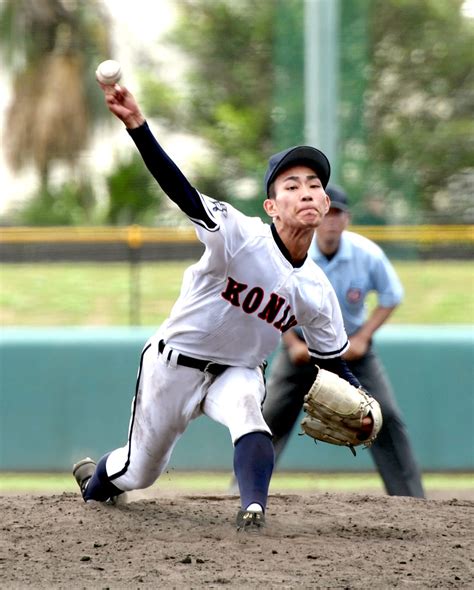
249 521
83 470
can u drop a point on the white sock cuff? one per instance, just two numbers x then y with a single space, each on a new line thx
254 507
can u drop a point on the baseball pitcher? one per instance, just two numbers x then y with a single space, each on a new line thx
252 284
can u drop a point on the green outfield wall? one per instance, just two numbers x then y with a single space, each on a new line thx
66 393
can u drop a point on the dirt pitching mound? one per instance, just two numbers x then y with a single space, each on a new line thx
320 540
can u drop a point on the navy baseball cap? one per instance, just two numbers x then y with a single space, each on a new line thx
338 198
301 154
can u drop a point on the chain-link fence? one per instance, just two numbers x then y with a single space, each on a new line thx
52 244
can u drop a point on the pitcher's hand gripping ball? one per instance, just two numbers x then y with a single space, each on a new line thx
336 410
109 72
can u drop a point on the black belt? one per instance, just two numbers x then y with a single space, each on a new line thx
192 363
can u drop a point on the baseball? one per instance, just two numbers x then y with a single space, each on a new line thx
109 72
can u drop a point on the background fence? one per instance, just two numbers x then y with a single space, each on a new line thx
36 244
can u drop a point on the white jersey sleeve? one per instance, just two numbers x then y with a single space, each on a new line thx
323 325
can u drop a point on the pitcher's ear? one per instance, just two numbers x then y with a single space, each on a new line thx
270 207
327 204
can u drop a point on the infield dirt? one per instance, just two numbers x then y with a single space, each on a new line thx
317 540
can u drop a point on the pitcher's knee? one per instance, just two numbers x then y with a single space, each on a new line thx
135 480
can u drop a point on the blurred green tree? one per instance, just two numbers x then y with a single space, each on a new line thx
50 48
227 95
134 196
414 146
65 204
406 111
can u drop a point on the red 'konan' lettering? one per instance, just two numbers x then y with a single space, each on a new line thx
233 290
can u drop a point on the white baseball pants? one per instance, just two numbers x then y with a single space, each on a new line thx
167 398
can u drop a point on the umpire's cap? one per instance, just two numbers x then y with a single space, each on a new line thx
301 154
338 198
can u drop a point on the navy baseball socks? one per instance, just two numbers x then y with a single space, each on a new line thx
94 481
253 467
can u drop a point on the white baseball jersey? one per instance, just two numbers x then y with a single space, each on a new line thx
244 293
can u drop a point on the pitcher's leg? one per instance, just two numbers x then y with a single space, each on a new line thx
234 399
253 467
286 387
165 401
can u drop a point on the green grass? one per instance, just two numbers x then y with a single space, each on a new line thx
219 482
87 294
83 294
436 292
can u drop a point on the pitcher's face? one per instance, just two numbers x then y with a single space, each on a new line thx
299 198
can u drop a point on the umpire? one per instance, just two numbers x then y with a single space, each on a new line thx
355 266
